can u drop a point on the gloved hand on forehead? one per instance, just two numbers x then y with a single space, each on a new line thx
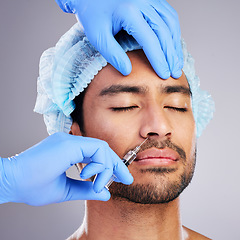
153 23
37 176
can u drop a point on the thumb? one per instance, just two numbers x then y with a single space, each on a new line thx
113 52
83 190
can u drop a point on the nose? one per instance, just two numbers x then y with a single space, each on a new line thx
156 124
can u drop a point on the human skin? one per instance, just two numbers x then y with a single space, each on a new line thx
124 120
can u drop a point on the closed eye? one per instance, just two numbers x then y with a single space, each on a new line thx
123 109
177 109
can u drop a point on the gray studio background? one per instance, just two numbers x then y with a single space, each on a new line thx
210 205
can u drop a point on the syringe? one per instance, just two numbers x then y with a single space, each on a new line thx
127 160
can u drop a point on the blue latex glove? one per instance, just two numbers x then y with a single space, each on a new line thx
37 176
153 23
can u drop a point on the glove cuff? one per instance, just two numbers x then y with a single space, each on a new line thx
3 198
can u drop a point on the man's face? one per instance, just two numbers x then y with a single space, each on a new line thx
124 110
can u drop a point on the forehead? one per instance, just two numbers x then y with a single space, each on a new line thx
142 75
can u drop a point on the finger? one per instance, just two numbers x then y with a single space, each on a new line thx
99 160
107 45
83 190
92 169
122 173
102 179
165 38
145 36
96 149
105 171
169 15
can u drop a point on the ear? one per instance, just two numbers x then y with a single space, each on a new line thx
75 129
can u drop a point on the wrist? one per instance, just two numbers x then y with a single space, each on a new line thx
3 192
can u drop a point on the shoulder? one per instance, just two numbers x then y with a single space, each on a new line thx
72 237
192 235
78 235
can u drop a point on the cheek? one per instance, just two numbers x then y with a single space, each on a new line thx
185 131
119 135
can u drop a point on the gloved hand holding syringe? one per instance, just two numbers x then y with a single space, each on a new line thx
38 177
129 157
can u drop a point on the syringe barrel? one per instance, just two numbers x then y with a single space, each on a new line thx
129 157
111 180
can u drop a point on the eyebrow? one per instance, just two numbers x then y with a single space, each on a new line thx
115 89
177 89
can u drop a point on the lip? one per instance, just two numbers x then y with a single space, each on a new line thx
155 156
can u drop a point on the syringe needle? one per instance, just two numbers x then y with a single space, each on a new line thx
142 143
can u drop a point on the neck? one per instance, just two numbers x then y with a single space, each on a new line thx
125 220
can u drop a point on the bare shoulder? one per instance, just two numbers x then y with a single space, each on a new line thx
75 237
72 237
192 235
78 235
